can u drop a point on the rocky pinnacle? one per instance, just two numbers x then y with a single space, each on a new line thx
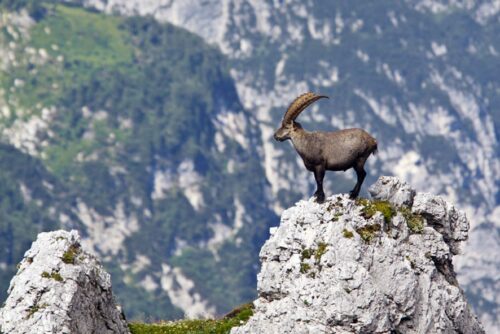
60 288
364 266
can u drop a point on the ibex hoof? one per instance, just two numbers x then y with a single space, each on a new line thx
353 194
320 197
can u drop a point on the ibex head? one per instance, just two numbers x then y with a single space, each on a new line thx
288 125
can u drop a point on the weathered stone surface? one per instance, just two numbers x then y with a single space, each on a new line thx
389 188
444 217
333 268
60 288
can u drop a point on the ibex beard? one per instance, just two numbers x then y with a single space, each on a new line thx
322 151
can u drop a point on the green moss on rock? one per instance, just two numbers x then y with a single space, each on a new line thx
347 234
70 255
306 253
368 232
304 267
54 275
415 222
370 208
322 248
35 308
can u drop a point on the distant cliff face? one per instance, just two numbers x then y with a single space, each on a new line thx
138 140
364 266
419 74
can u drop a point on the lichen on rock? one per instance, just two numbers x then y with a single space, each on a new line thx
60 288
385 269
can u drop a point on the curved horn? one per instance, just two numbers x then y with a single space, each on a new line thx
299 104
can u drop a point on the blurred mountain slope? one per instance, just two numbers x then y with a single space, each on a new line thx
141 124
420 75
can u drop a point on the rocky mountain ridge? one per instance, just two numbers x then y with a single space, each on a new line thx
364 266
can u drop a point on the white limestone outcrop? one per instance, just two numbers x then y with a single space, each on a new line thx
60 288
365 266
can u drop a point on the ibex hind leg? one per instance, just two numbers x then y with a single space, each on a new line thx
361 174
319 174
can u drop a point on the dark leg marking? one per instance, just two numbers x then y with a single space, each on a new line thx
361 174
319 174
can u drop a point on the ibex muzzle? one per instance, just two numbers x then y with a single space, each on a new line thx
322 151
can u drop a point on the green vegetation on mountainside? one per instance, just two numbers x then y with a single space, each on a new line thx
208 326
22 215
132 97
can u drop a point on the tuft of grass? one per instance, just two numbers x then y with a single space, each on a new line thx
415 222
304 267
337 216
54 275
347 234
370 208
35 308
306 253
320 252
367 233
70 255
235 318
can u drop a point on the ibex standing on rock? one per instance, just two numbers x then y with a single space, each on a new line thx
322 151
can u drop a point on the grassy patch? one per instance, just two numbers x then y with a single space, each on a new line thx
54 275
320 252
35 308
304 267
368 232
69 256
235 318
77 43
414 222
337 216
347 234
306 253
370 208
83 36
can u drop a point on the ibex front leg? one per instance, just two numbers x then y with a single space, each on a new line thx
319 174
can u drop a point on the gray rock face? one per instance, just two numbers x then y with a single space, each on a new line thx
60 288
364 267
393 190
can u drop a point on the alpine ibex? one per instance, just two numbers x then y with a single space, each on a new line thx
322 151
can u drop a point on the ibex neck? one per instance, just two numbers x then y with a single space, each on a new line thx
299 140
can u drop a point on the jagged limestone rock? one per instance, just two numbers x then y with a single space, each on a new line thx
363 266
60 288
393 190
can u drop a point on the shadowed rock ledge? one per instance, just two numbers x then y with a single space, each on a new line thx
364 266
60 288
